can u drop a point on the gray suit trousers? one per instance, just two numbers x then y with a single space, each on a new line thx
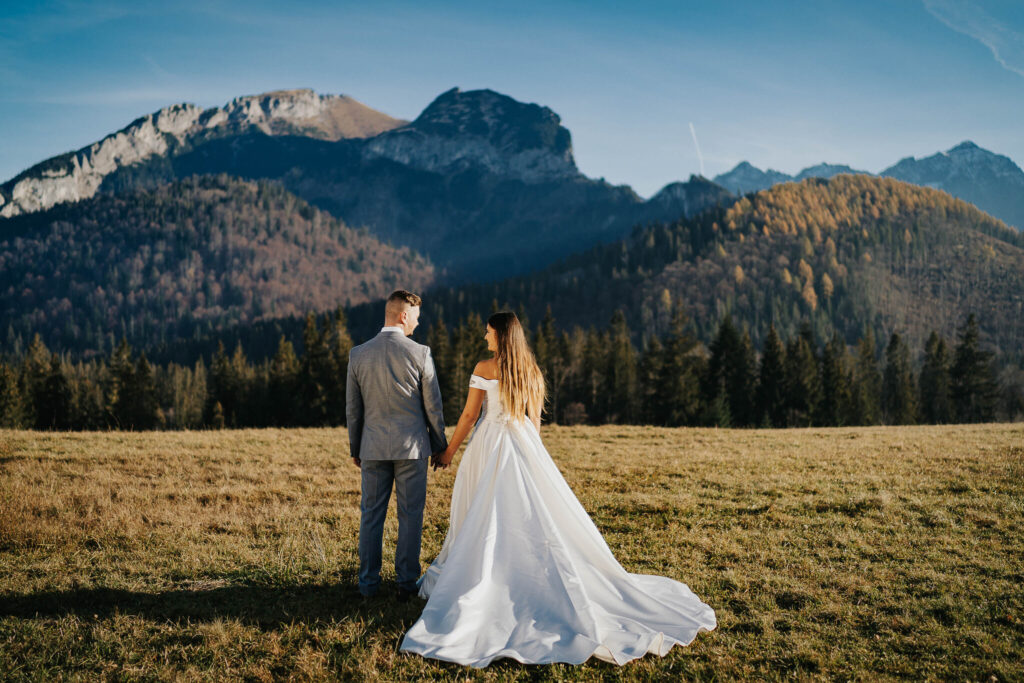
409 478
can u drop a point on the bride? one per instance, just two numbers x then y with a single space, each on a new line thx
523 572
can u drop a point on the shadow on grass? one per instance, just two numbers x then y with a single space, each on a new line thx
265 606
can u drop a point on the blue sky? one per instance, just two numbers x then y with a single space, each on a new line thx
781 84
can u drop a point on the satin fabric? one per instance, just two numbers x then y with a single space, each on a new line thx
524 573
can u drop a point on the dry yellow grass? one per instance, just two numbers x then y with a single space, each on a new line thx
861 553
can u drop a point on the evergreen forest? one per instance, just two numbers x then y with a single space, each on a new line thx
592 376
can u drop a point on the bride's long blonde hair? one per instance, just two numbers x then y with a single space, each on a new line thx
520 382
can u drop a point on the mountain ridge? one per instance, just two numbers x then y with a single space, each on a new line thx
78 175
990 181
476 169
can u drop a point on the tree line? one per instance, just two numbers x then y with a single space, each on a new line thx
593 376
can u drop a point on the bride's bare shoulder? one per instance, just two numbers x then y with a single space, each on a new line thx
487 369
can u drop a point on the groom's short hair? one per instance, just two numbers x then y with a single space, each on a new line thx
399 301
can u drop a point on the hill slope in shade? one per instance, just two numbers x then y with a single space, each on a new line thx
847 254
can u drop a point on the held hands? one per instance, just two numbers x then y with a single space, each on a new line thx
441 460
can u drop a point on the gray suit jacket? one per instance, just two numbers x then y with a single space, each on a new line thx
393 400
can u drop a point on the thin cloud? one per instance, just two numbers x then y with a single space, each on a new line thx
963 16
142 95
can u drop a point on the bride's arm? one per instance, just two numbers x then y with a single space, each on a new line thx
534 412
466 421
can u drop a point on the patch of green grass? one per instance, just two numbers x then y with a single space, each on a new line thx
866 553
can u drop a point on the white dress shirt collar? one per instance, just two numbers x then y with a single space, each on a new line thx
392 328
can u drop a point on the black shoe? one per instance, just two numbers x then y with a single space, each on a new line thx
405 595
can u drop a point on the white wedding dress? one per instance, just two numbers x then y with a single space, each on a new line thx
524 573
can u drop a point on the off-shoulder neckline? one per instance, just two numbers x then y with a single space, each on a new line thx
484 378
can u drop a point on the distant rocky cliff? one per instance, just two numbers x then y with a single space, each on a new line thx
990 181
485 130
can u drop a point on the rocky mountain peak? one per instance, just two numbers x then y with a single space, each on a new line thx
990 181
508 124
745 177
826 170
485 130
303 112
78 175
963 146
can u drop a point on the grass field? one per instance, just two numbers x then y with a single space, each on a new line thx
861 553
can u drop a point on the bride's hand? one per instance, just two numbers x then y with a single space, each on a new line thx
445 459
440 459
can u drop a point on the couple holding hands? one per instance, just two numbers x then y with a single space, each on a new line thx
523 572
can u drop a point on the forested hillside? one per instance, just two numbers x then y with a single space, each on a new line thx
184 260
848 254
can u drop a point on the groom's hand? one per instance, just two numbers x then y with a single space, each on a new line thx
357 462
437 460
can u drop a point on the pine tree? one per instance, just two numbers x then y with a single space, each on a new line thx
802 387
936 401
53 410
34 372
217 416
545 342
620 376
119 380
649 379
832 407
441 351
771 391
143 407
974 388
899 398
188 396
88 403
576 395
284 384
316 376
243 394
593 372
12 406
866 401
222 388
340 343
742 383
680 387
551 350
728 386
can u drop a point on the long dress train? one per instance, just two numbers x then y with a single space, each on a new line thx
524 573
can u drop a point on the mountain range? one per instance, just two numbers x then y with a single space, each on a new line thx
990 181
189 222
846 256
484 185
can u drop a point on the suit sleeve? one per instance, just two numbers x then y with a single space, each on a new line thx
432 405
353 410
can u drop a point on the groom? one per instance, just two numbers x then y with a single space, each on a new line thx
395 424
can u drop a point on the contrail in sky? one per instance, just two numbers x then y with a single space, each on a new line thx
700 157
